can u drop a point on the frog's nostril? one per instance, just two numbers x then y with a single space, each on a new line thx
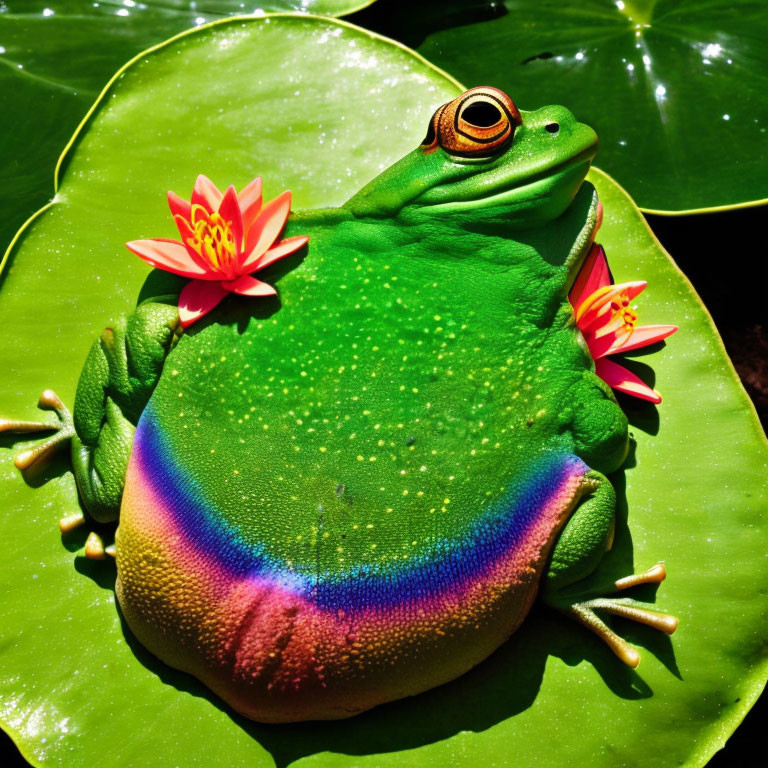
552 127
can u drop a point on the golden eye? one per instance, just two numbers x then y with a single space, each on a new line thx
480 123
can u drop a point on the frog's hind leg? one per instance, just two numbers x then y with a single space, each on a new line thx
577 553
64 430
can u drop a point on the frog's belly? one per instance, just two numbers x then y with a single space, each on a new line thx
280 645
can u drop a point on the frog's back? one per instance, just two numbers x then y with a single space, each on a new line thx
351 498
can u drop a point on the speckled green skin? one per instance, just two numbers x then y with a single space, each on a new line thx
420 352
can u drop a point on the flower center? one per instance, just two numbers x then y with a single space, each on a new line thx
213 240
623 313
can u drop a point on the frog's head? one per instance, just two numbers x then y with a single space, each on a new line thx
484 158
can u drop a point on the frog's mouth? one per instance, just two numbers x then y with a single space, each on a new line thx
521 195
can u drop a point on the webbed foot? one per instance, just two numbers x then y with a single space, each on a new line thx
586 613
64 429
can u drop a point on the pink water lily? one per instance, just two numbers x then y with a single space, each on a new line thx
609 324
225 237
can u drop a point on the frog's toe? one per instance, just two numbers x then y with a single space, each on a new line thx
70 522
64 430
654 575
95 549
586 613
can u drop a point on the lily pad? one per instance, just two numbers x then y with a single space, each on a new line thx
320 107
674 88
57 55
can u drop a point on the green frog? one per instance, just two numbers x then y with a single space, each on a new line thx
350 487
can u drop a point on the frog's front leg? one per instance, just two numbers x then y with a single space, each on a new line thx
586 537
118 378
597 423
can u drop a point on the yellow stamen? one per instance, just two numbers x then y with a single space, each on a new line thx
213 240
623 313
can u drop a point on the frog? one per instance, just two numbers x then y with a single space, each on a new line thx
354 490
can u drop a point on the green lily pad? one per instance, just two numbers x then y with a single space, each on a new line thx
674 88
57 55
320 107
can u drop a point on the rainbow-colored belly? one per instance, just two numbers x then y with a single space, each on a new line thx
283 644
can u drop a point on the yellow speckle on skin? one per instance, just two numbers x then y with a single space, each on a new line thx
405 492
360 458
322 449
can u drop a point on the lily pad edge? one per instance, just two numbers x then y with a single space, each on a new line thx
719 732
701 211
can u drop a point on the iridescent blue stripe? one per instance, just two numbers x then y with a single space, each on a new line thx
450 562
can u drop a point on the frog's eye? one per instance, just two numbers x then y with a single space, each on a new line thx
480 123
430 140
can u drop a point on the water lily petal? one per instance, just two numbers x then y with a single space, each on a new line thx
596 309
179 206
169 255
206 193
197 298
642 336
249 286
618 377
250 203
267 227
283 248
593 274
229 209
602 344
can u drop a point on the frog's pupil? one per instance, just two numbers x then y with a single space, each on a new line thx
552 127
482 114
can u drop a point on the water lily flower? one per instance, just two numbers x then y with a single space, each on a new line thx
609 324
225 237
